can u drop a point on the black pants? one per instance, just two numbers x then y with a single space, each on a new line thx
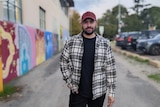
80 101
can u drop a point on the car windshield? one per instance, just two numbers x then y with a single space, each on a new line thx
122 35
157 36
143 36
148 34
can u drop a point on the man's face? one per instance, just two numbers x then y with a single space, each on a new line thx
89 26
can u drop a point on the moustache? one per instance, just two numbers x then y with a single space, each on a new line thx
89 28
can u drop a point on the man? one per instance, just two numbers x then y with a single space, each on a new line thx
88 66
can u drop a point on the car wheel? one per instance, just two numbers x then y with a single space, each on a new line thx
154 50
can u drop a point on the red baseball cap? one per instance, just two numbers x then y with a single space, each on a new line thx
88 15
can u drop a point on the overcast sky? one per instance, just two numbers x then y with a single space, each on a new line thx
100 6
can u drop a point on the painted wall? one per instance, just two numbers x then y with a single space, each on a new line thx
55 43
53 10
48 45
10 51
40 48
23 48
1 78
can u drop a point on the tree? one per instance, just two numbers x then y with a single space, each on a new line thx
139 5
110 21
151 17
132 23
123 13
75 23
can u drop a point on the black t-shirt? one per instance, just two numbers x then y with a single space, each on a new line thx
85 87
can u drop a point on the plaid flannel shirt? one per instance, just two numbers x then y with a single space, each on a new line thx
104 75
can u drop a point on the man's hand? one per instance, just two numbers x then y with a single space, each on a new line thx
110 101
71 88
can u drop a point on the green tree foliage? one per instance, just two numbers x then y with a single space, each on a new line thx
110 21
140 20
110 31
75 23
124 11
151 17
138 5
132 23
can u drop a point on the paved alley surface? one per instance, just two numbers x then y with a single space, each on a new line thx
43 86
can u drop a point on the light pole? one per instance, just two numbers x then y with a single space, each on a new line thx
119 18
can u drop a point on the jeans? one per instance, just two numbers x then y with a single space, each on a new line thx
77 100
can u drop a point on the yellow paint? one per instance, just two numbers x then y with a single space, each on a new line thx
40 49
11 48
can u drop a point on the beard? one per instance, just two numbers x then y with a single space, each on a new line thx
88 32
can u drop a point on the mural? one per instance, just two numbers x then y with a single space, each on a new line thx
65 35
32 33
1 79
25 49
40 51
48 45
10 51
55 43
22 48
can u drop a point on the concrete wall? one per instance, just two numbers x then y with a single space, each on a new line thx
23 48
56 20
29 36
55 17
1 10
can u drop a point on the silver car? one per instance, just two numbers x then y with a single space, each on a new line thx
149 45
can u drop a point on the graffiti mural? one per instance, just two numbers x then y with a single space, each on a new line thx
48 45
10 51
65 35
25 49
40 51
32 34
1 78
55 43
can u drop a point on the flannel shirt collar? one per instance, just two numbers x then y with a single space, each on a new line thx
97 38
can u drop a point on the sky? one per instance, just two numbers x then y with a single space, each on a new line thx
100 6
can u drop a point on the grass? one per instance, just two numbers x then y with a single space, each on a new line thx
139 59
155 77
7 91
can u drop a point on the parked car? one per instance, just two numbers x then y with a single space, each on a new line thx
149 45
130 40
146 34
120 38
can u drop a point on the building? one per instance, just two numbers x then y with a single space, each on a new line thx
49 15
31 31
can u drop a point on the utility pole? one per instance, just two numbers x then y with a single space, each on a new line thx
119 18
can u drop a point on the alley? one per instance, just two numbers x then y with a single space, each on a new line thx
44 87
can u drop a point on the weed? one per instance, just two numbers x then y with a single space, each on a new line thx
155 77
7 91
139 59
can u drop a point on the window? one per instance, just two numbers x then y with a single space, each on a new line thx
42 18
65 9
12 10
